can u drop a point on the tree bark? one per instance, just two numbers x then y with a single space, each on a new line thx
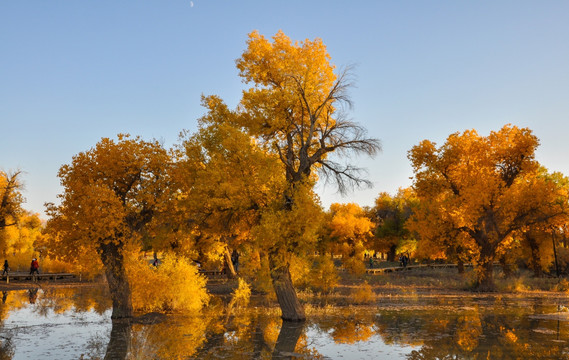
486 275
230 270
485 271
119 287
506 267
460 266
291 308
535 255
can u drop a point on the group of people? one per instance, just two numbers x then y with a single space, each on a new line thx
34 267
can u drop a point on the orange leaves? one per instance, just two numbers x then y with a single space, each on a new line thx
484 187
111 192
283 63
224 178
175 285
349 221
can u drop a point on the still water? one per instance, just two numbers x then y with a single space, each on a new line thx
74 323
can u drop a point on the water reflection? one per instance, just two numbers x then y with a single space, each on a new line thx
78 320
120 340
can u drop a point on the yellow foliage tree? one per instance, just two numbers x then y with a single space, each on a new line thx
483 188
175 285
225 180
538 239
350 231
391 214
293 110
112 193
10 206
11 198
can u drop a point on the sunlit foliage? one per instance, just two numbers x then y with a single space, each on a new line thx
293 110
174 285
476 191
225 180
390 214
21 242
323 277
350 233
363 294
112 194
241 295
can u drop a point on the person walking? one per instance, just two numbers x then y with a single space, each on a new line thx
34 267
6 268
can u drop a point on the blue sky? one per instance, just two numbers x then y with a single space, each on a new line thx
72 72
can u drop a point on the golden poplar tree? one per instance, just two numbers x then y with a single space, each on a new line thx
225 179
476 191
294 109
391 214
112 192
11 198
350 231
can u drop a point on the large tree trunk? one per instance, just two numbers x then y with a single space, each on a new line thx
506 267
119 288
291 308
229 269
485 270
486 274
535 262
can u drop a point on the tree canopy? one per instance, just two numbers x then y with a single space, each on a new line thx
478 190
112 192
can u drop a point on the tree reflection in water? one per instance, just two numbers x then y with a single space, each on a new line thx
120 340
424 328
288 339
500 331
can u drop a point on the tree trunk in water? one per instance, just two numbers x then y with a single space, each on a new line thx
291 308
119 288
288 338
229 269
119 343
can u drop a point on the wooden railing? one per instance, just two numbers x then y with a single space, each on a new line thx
25 276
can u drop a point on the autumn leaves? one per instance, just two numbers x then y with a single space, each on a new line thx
478 195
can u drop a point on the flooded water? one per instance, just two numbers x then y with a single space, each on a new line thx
74 323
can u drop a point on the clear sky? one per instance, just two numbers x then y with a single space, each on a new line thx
72 72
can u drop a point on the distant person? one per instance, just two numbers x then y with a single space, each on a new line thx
235 260
34 267
6 268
